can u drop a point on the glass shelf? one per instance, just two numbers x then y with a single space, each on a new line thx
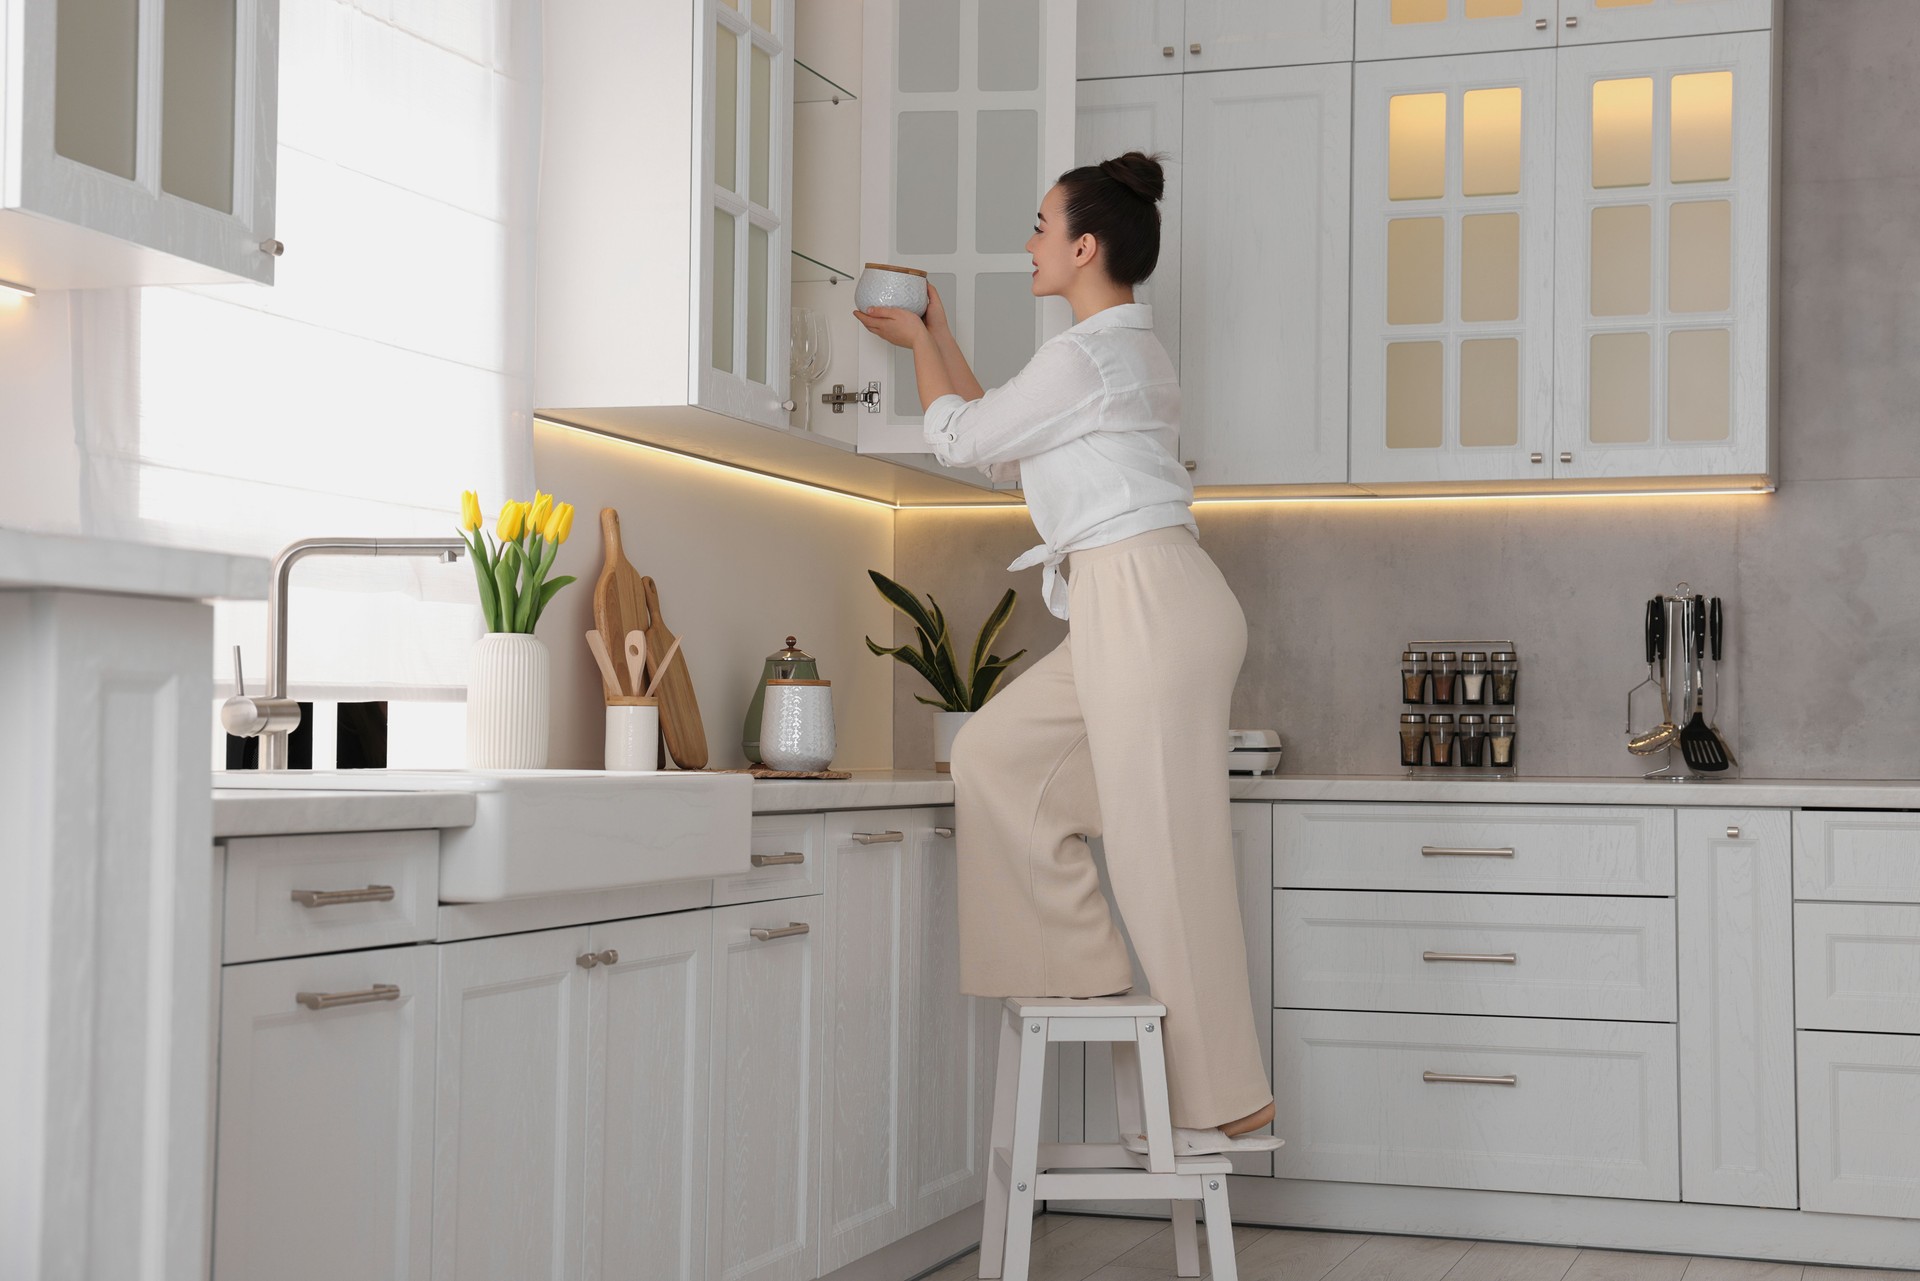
810 86
811 271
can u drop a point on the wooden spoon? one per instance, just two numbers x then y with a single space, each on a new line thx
637 659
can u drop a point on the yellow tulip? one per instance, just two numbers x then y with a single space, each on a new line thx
469 510
537 516
513 518
559 524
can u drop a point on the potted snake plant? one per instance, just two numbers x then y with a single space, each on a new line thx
961 691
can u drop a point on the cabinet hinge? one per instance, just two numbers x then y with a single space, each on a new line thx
840 396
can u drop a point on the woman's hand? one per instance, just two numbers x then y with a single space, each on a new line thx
936 313
895 324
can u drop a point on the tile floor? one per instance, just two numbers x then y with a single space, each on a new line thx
1073 1247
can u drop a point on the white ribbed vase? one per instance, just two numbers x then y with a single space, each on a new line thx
508 707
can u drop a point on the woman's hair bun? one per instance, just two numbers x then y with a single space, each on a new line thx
1137 172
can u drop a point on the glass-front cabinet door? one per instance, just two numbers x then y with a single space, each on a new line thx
1424 28
742 220
1664 256
1453 268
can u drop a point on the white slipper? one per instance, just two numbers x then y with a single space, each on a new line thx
1207 1142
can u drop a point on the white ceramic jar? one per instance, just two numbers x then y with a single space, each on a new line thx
796 725
885 285
507 703
633 735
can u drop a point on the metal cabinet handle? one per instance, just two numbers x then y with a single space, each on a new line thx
1537 458
1191 465
1572 20
1540 24
778 860
587 960
1503 958
327 898
1460 1079
1566 456
1166 51
327 1000
273 248
1193 48
879 838
797 927
1733 833
943 832
1438 851
788 406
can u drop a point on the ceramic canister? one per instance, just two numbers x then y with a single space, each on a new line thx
885 285
796 725
633 734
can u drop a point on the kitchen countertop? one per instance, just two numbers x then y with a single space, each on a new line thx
70 562
238 812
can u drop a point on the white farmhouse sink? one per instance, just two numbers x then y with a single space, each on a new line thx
562 831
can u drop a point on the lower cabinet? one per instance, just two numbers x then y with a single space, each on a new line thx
1859 1110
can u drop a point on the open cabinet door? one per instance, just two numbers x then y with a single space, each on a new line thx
967 120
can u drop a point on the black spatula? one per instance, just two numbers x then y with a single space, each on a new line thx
1698 743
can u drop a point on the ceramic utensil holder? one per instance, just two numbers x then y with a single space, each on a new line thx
633 735
796 725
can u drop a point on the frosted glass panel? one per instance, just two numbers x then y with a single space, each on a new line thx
1619 389
763 14
1003 327
760 136
1494 8
757 303
726 107
1703 127
1009 45
1621 261
1700 255
1006 180
1407 12
723 290
929 48
1490 392
1413 395
95 79
903 392
1490 142
1699 384
926 171
1619 4
1623 133
196 142
1416 272
1490 267
1417 146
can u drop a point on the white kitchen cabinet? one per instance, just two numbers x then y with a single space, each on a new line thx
1155 37
1664 259
1734 901
137 142
1263 319
764 1120
1142 113
511 1104
1859 1093
1597 21
644 1194
1130 38
325 1161
1429 28
1857 966
1453 268
1858 857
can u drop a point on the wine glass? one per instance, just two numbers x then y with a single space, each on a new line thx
799 353
813 352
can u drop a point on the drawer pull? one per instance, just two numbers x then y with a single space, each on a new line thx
587 960
943 833
778 860
327 898
1502 958
1733 833
879 838
797 927
1456 851
328 1000
1457 1078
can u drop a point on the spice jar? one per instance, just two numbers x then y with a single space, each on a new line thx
1413 677
1471 750
1506 676
1446 666
1440 737
1472 681
1500 741
1413 738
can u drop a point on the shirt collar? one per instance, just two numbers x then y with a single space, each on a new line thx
1126 315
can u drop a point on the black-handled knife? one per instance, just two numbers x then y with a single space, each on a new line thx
1713 627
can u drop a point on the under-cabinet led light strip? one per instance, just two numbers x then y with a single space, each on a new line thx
11 291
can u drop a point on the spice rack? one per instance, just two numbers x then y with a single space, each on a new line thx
1451 692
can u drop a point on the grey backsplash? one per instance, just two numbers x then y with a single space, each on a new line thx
1821 580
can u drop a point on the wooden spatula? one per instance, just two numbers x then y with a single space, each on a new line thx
619 603
679 709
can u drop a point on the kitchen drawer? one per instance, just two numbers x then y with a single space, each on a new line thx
1514 849
1863 857
1859 1095
1592 1110
777 839
1572 957
1857 967
272 883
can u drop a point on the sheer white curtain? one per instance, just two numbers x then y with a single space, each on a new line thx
384 372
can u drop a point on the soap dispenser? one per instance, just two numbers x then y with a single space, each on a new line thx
785 664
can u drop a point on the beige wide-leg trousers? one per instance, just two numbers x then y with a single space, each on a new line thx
1119 733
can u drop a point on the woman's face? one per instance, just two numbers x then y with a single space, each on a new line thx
1057 257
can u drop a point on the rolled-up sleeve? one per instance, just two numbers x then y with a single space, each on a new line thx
1043 406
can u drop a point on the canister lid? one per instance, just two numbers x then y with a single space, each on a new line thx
1473 656
1444 656
1500 718
789 653
888 266
1413 718
1440 718
1505 656
1472 718
1413 656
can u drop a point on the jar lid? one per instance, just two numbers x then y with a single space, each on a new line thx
1500 718
789 654
1505 656
1440 718
1472 718
1473 656
1444 656
887 266
1413 656
1412 718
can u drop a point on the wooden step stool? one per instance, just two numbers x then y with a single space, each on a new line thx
1021 1169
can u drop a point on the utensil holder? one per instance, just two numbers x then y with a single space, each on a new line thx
1680 672
633 735
1457 706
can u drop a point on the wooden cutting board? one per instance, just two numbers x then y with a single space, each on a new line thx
679 709
619 601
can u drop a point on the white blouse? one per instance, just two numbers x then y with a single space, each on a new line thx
1089 429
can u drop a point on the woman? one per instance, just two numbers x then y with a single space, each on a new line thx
1121 729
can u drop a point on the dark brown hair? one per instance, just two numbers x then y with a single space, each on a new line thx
1117 201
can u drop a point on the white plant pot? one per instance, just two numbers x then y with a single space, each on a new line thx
508 703
946 726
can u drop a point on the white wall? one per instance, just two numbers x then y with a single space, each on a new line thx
39 461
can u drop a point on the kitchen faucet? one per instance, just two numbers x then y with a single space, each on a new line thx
274 716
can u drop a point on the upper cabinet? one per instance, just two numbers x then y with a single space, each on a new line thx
1162 37
1142 113
1424 28
137 142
